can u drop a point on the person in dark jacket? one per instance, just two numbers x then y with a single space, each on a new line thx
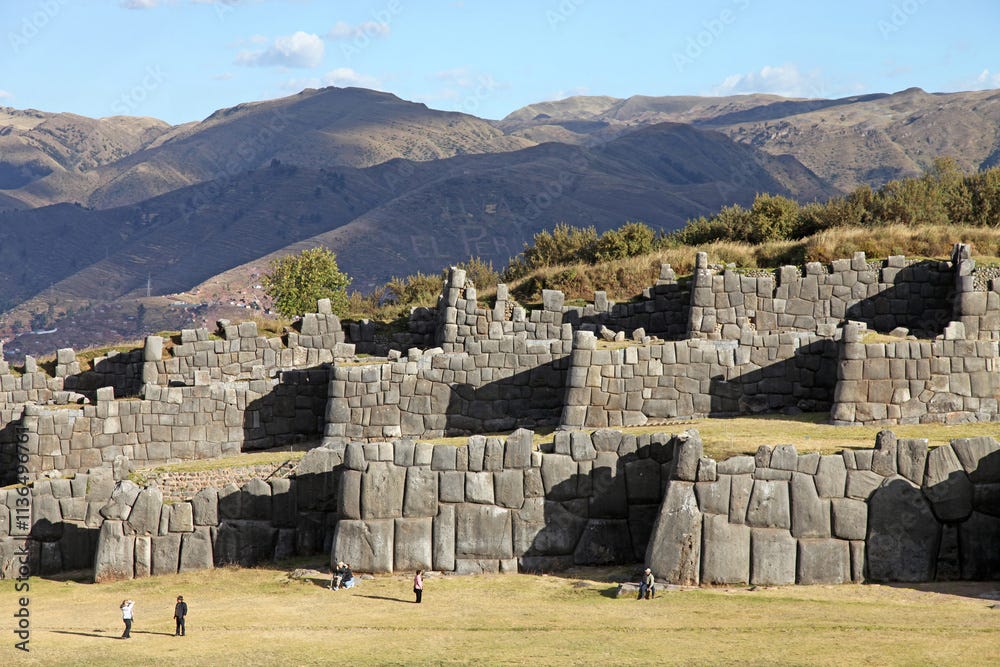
180 611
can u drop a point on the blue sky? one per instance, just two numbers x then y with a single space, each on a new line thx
180 60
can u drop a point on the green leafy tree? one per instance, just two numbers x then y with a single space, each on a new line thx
630 240
296 282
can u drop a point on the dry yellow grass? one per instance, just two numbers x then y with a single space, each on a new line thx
809 432
260 617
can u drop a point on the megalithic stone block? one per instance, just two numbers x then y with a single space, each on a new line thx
674 551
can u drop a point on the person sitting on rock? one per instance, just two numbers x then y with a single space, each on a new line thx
337 577
647 585
348 580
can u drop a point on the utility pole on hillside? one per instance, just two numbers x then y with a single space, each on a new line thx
149 284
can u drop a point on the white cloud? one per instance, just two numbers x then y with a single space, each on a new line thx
785 80
344 30
139 4
225 76
301 49
5 95
345 76
986 80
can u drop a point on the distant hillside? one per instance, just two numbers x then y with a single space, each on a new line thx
391 219
866 139
315 128
95 212
35 145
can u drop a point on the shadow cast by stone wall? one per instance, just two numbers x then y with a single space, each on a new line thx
947 530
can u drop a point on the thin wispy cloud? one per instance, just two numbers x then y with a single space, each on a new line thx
140 4
344 30
5 95
300 49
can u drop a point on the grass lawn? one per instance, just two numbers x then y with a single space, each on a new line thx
261 617
809 432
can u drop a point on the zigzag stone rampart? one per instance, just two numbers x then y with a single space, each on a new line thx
723 343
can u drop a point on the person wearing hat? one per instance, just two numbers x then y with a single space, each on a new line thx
180 611
647 585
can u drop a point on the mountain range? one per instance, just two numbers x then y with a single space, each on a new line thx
101 216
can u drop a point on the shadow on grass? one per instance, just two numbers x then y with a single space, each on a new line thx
86 634
385 597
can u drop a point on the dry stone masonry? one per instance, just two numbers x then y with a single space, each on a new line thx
895 341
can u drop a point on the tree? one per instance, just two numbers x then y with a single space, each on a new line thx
296 282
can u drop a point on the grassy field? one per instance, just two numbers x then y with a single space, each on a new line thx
261 617
809 432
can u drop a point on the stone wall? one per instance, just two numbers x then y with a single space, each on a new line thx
612 385
898 512
496 506
662 310
495 370
240 352
894 513
950 380
177 423
895 293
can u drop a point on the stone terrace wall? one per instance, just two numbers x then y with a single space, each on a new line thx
894 513
950 380
629 386
899 293
496 506
241 352
898 512
498 384
495 370
177 423
663 310
463 324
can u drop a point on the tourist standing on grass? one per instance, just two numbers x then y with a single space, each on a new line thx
418 585
126 607
180 611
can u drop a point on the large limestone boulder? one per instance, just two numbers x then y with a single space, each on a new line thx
979 545
725 554
382 490
947 485
205 507
244 542
769 505
115 557
482 531
772 557
166 551
810 513
674 550
824 561
421 496
413 544
903 535
366 545
196 550
444 538
604 542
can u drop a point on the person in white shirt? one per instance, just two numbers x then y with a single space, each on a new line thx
126 608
